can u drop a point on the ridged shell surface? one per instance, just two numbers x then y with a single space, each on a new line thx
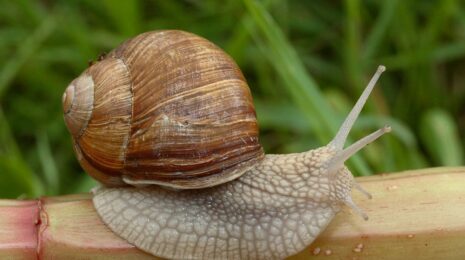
165 107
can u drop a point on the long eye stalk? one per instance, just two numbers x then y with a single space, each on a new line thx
341 136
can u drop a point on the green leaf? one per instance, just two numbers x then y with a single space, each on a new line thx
440 136
125 15
16 178
24 52
47 161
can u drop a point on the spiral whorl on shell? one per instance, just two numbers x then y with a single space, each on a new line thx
165 107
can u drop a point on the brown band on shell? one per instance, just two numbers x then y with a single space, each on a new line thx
218 160
110 180
216 177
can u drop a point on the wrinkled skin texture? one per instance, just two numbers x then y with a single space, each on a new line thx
273 211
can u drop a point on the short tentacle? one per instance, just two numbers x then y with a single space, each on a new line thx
362 190
350 203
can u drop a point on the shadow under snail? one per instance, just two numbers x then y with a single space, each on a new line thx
166 123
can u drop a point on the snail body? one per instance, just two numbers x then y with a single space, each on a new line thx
166 123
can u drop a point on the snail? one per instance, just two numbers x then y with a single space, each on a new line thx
166 123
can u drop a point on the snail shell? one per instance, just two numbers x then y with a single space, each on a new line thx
167 108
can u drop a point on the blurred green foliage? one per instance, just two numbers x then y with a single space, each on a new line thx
306 63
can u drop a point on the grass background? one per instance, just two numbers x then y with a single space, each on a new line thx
306 63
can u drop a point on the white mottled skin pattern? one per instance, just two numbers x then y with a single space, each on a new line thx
273 211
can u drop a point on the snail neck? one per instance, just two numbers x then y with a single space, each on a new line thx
301 175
